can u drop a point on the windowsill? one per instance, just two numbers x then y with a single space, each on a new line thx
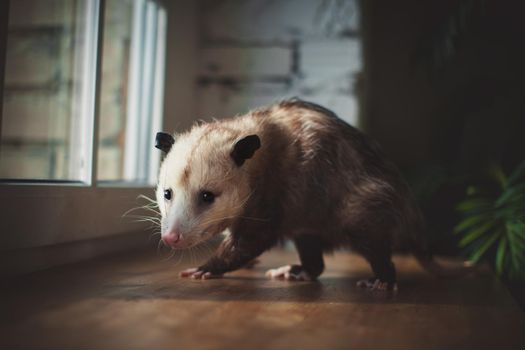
22 261
74 183
124 184
36 216
36 182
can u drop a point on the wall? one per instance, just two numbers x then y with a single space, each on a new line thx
181 55
462 113
444 121
252 53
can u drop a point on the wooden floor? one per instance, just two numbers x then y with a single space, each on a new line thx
138 302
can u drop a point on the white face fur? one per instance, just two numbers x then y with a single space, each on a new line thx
200 190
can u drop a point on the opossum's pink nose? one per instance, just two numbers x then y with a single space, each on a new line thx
172 239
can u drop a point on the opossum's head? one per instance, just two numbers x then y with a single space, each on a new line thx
203 184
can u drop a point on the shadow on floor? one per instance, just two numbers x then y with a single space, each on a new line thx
478 291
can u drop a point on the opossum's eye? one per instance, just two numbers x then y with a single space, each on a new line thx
206 197
167 194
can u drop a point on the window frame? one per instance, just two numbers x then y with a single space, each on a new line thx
43 213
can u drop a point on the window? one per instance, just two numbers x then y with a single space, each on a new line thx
49 98
81 102
48 90
131 91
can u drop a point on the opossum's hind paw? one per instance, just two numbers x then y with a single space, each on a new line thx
198 274
377 284
289 273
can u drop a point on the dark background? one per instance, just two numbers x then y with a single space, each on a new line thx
461 111
443 93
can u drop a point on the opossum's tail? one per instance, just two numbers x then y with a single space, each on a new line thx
424 256
428 263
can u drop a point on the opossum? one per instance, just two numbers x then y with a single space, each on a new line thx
295 171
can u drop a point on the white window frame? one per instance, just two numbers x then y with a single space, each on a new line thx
43 213
147 55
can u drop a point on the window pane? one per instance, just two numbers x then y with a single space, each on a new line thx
114 88
48 90
132 67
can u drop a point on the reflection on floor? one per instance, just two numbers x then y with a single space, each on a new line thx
137 301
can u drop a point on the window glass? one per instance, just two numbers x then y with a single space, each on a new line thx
48 90
131 93
114 89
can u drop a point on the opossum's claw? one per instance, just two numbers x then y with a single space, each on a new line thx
289 273
196 273
377 284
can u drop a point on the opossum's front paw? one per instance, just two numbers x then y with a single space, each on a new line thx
198 274
289 273
377 284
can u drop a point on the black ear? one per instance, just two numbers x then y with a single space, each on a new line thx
164 141
245 148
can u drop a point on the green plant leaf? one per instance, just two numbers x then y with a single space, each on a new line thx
515 260
519 234
478 253
500 255
480 192
516 228
517 248
478 203
517 174
492 221
475 234
471 221
497 174
518 244
509 193
473 190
